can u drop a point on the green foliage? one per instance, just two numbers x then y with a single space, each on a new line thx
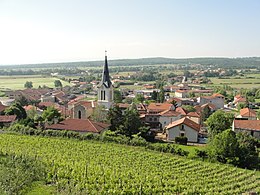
18 172
188 108
139 98
90 167
131 123
57 83
224 147
51 114
218 122
28 84
16 109
99 114
115 117
241 105
181 140
117 96
237 149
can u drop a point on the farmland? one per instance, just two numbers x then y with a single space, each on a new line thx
88 167
17 82
247 81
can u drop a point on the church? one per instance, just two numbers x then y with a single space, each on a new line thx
105 88
105 93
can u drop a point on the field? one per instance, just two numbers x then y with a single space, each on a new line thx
248 81
17 82
88 167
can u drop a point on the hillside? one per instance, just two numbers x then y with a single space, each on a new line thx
220 62
103 168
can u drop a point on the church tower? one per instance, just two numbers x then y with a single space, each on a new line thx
105 88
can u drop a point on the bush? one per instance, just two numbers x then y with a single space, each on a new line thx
181 140
138 141
201 153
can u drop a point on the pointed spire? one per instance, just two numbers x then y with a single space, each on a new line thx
105 76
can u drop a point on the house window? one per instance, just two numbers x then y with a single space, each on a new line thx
181 127
182 134
154 119
79 114
150 119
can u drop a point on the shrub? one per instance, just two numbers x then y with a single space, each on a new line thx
181 140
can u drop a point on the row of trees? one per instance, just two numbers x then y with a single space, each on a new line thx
29 84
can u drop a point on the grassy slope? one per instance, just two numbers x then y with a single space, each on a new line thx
14 82
113 168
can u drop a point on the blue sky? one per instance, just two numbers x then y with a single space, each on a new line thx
76 30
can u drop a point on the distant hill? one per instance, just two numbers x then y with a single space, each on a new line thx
221 62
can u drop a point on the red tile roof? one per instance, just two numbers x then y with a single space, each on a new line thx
173 99
80 125
7 119
168 113
2 107
181 110
246 112
121 105
86 104
247 124
193 114
240 100
217 95
184 121
159 107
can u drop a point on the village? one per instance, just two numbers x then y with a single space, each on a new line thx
169 111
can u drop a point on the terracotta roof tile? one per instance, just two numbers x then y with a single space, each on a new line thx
181 110
246 112
7 118
185 121
247 124
159 107
193 114
2 107
80 125
169 113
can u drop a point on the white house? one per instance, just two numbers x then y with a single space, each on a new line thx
216 99
183 127
168 116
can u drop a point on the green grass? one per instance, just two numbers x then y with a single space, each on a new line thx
93 167
14 82
242 82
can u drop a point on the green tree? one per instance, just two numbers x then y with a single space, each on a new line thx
139 98
117 96
99 114
188 108
16 109
219 121
51 114
241 105
131 123
115 117
28 84
225 147
57 83
154 96
205 113
161 95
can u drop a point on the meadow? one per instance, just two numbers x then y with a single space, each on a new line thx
17 82
91 167
247 81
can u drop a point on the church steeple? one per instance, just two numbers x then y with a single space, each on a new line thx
105 88
105 75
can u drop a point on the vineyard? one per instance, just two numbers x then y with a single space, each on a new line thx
88 167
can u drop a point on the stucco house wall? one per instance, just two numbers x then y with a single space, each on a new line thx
176 131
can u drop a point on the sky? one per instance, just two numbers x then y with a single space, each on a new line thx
45 31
